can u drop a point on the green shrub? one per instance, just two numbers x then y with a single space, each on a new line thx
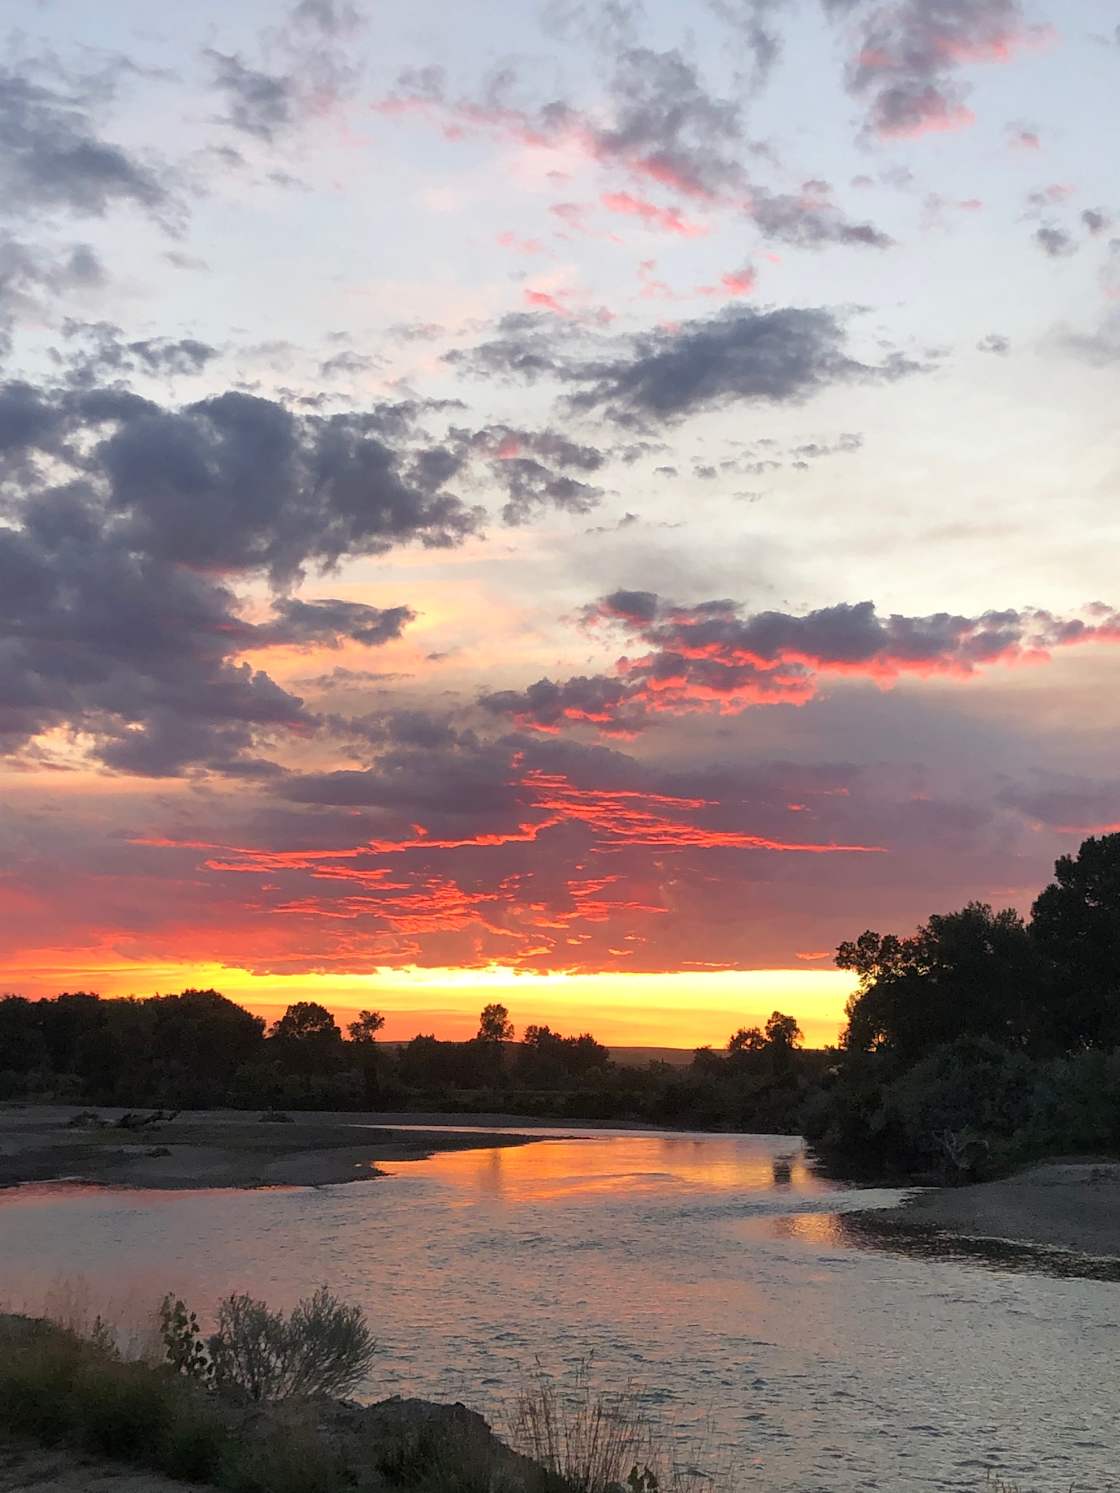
182 1340
38 1366
292 1458
123 1409
195 1446
322 1348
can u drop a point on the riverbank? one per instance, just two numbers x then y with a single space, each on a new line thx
1062 1204
26 1467
212 1148
252 1409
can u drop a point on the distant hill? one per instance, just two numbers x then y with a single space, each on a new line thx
629 1057
637 1057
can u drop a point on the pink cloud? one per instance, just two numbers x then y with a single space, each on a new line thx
546 300
527 246
667 219
734 283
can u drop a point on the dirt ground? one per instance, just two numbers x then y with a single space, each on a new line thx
25 1468
1070 1205
211 1149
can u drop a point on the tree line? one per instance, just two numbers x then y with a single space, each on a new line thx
197 1049
982 1038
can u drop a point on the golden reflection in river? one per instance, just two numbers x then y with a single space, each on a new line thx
632 1164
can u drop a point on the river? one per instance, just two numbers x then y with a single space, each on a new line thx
716 1273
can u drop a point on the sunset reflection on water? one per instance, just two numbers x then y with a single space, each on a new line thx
632 1163
717 1273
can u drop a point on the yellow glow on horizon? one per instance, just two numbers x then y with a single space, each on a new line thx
671 1009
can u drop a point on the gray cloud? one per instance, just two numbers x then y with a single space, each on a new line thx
754 21
120 516
99 351
809 220
51 156
1055 242
717 657
663 127
28 273
1096 220
325 621
909 53
779 356
260 103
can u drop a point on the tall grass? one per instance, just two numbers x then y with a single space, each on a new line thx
597 1441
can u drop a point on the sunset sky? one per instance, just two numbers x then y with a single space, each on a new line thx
581 504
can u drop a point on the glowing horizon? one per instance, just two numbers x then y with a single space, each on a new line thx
482 496
684 1010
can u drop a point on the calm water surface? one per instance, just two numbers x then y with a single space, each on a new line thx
716 1272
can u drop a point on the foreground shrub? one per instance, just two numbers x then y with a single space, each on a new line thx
58 1387
322 1348
292 1458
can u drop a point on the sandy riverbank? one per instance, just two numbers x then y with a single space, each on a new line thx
28 1468
1068 1205
212 1149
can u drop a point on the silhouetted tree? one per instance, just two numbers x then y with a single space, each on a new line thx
969 973
747 1039
199 1040
366 1027
363 1034
69 1025
783 1032
545 1059
307 1039
1076 928
22 1048
494 1024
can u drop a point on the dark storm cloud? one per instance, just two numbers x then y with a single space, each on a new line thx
52 156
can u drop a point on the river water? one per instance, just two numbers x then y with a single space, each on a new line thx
716 1273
